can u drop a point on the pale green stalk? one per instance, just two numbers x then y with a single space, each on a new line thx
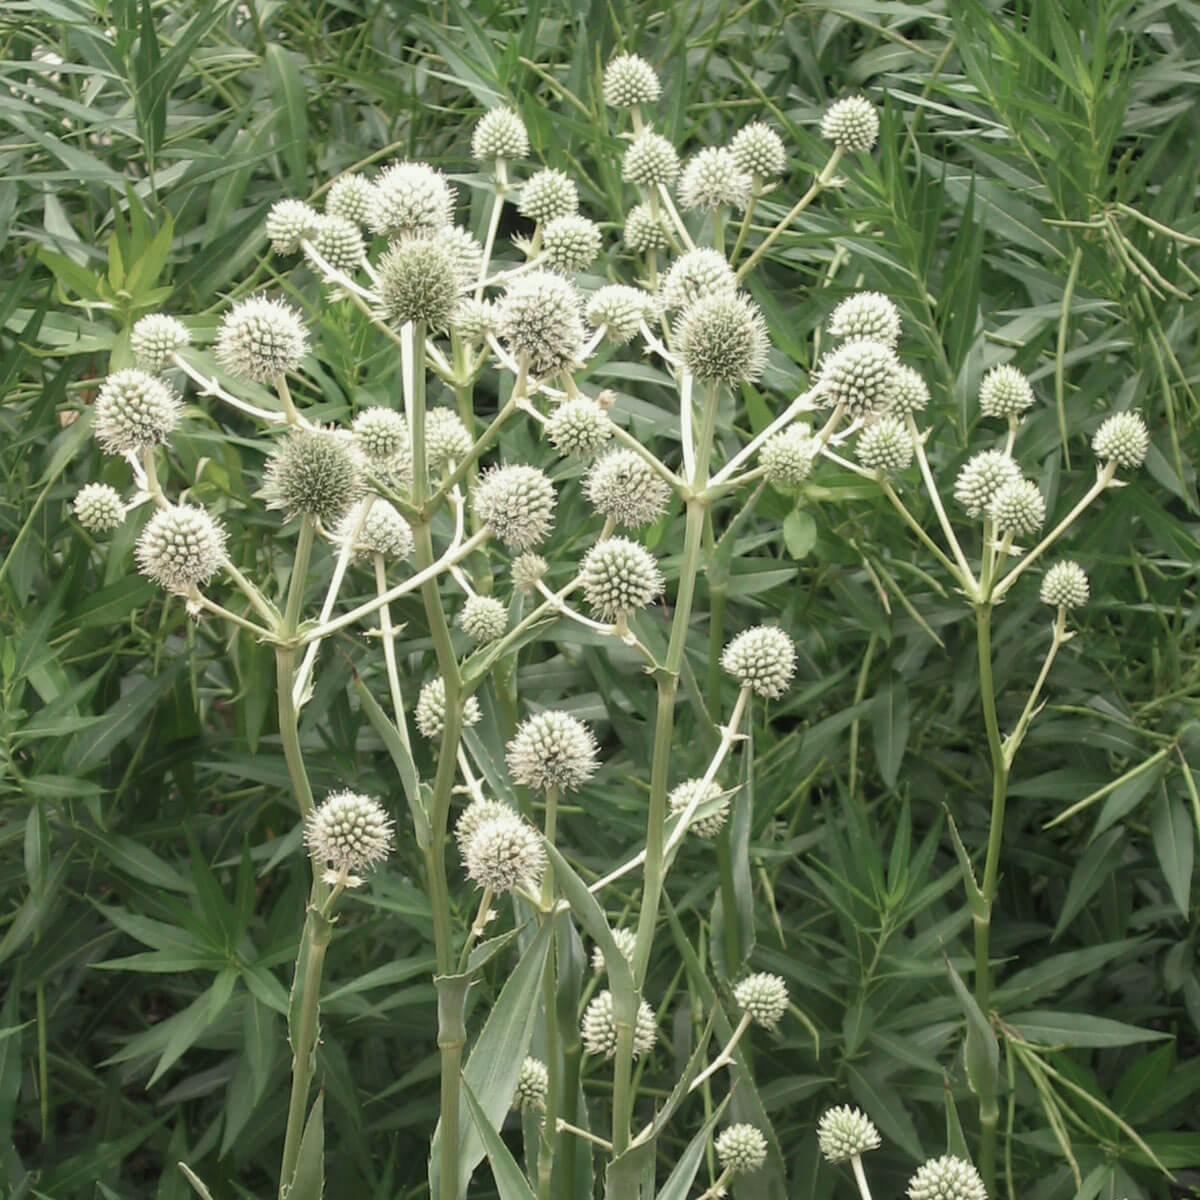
550 1139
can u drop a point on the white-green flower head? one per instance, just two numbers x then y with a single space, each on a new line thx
1124 439
885 445
571 243
431 709
381 434
722 338
851 124
1065 585
741 1149
506 852
483 619
474 319
844 1133
619 310
533 1083
351 197
155 339
911 394
619 577
547 194
762 658
518 503
787 456
758 150
1004 392
540 317
862 376
625 488
289 223
650 161
473 817
578 427
712 179
1018 508
261 338
499 133
134 410
599 1028
339 241
465 253
712 822
313 473
418 281
98 507
946 1178
644 230
696 275
446 438
866 317
528 570
384 531
626 939
552 749
180 548
411 199
630 80
763 998
981 477
349 831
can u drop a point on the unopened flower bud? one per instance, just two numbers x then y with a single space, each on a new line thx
711 823
762 658
844 1133
313 473
866 317
650 161
722 338
500 133
518 503
430 712
860 375
418 281
180 547
1065 585
885 445
981 477
578 427
644 230
619 577
506 852
599 1028
349 831
98 507
626 939
741 1149
1018 508
154 340
758 150
351 197
630 80
712 180
260 339
571 243
552 749
851 124
762 997
1123 439
289 223
1004 392
946 1178
787 456
411 199
540 318
533 1083
547 194
624 487
135 410
483 619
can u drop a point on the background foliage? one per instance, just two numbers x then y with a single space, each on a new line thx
1030 158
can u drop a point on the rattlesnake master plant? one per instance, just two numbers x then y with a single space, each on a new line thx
435 500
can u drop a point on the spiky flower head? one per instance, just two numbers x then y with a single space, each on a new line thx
352 198
431 709
500 133
695 275
261 338
787 456
418 281
626 939
1122 438
624 487
446 438
618 310
741 1149
474 817
763 998
465 253
1065 585
339 241
533 1082
861 375
712 179
1004 392
349 831
540 317
134 410
711 823
383 530
552 749
911 394
851 124
313 473
381 434
578 427
518 503
844 1133
571 243
762 658
98 507
946 1178
619 577
722 338
154 339
411 199
528 570
866 317
885 445
981 477
1018 508
547 194
289 223
599 1028
650 160
644 230
474 319
180 547
630 80
506 852
483 619
758 150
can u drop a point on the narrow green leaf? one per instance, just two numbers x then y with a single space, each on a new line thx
1175 845
308 1183
287 89
510 1183
1048 1028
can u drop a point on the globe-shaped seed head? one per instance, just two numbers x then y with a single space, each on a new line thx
352 198
844 1133
474 817
313 473
696 275
260 339
626 939
418 281
349 831
630 80
758 150
383 531
339 241
622 486
851 124
527 571
885 445
518 503
98 507
571 243
381 434
787 456
154 339
762 658
1004 392
911 393
644 230
981 477
866 317
499 133
1065 585
430 712
533 1083
722 339
578 427
540 318
860 375
547 194
180 547
650 161
446 439
134 410
474 319
506 852
619 577
1018 508
1122 438
483 619
599 1027
946 1178
289 223
741 1149
711 823
712 180
619 310
411 199
552 749
763 998
465 253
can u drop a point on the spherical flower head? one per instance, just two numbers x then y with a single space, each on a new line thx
911 392
352 198
644 230
349 831
650 161
619 577
599 1028
260 339
696 275
289 223
418 281
624 487
552 749
474 817
712 179
483 619
844 1133
431 709
98 507
741 1149
722 338
506 852
1065 585
339 241
571 243
465 253
762 658
885 445
851 124
787 456
578 427
499 133
180 547
619 310
528 570
381 434
384 531
134 410
540 319
861 375
533 1082
866 317
1018 508
1124 439
763 998
630 80
446 438
547 194
709 825
626 939
946 1178
411 199
154 339
313 473
474 319
981 477
1004 392
518 503
758 150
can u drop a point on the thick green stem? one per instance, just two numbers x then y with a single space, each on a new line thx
550 1134
416 415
